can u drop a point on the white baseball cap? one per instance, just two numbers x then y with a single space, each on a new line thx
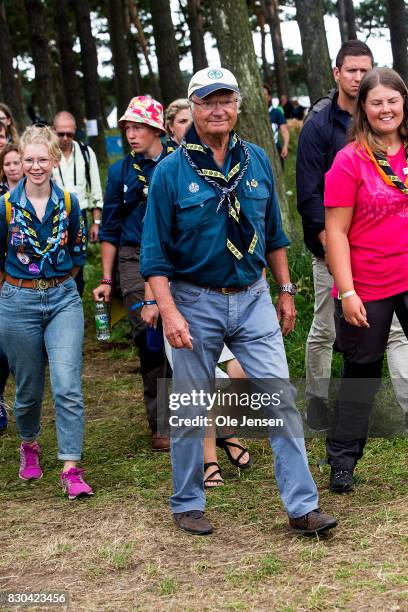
206 81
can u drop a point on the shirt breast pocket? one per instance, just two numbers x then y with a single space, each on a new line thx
196 210
254 201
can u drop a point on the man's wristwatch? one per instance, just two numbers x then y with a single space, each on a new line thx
288 288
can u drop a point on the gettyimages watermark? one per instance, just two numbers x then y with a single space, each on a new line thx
265 408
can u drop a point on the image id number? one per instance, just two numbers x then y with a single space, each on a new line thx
32 598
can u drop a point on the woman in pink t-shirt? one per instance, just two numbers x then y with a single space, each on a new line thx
366 200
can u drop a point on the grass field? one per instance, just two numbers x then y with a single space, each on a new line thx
120 551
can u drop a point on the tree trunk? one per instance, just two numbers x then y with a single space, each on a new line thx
229 17
10 85
196 27
136 77
397 21
347 20
167 52
341 16
61 101
89 61
154 86
119 54
271 11
44 86
309 15
260 17
62 20
351 20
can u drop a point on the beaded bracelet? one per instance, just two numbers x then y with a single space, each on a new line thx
106 281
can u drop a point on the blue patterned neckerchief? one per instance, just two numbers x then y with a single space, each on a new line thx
241 235
24 218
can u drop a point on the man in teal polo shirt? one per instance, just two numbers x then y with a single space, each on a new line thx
212 225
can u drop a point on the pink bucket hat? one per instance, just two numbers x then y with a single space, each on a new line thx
143 109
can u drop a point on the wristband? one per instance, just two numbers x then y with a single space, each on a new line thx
136 306
106 281
97 221
150 302
346 294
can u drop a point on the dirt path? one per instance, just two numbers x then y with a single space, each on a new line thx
120 551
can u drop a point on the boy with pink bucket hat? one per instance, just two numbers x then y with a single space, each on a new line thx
121 235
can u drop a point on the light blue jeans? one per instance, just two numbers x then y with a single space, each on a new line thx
33 325
248 324
4 371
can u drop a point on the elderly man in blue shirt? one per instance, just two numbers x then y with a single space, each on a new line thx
212 225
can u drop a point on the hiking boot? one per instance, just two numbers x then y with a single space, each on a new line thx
193 522
312 522
341 480
30 468
160 443
317 414
73 483
3 414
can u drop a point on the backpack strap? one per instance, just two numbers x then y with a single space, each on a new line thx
8 207
320 104
67 200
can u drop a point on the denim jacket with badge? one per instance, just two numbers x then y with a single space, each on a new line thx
18 257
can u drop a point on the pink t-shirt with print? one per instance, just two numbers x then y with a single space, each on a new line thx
378 234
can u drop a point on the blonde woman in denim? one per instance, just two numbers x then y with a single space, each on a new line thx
42 244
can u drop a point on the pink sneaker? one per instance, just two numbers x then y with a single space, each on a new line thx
73 483
30 468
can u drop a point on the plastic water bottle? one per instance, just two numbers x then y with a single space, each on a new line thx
102 320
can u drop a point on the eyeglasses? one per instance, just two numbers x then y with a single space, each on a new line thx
211 104
42 162
67 134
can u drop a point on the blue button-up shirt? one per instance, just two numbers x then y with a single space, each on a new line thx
124 204
184 237
17 255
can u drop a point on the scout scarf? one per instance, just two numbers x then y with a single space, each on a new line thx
142 178
384 168
25 219
241 235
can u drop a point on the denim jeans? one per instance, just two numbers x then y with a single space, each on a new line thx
247 322
4 371
35 324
